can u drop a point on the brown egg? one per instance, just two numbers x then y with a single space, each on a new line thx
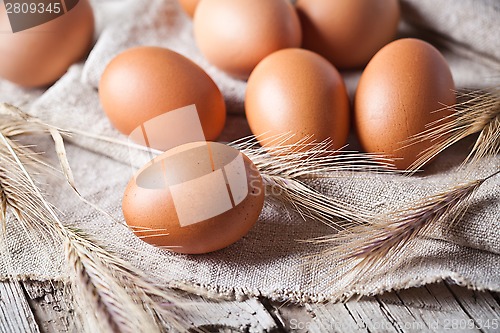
236 35
40 55
196 198
298 92
189 6
348 32
146 82
399 94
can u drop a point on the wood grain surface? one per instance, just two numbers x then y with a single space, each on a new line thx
31 306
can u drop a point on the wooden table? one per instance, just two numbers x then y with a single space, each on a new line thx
31 306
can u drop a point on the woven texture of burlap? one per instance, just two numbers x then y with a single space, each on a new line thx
268 260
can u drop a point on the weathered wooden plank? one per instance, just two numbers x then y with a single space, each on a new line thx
54 310
290 317
365 315
449 303
15 313
247 316
318 318
52 307
370 314
481 306
427 309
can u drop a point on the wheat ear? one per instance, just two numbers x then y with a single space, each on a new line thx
286 170
369 250
111 295
479 113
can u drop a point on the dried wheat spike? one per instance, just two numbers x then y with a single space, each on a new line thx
479 113
370 250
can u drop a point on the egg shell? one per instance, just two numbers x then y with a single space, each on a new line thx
189 6
297 92
151 201
38 56
399 94
145 82
236 35
348 32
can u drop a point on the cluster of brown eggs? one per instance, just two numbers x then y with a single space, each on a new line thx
290 55
301 92
290 89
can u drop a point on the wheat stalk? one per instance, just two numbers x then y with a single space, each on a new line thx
107 292
287 167
479 113
111 295
369 250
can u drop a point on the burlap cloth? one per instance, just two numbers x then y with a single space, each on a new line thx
268 260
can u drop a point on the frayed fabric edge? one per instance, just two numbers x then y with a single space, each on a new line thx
219 293
242 293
